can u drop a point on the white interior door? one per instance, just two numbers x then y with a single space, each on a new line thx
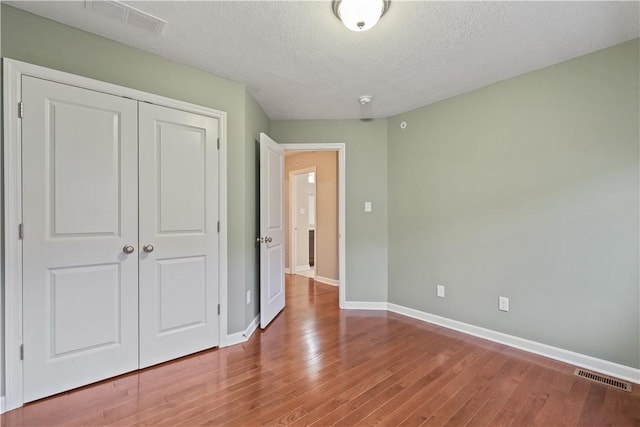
271 230
178 233
80 202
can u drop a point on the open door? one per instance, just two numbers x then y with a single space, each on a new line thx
271 229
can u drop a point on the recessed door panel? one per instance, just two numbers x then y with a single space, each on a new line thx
95 323
181 181
182 294
84 167
80 291
178 216
275 285
275 215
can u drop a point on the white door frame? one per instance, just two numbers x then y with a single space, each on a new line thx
12 84
293 247
342 216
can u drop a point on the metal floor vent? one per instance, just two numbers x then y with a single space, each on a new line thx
611 382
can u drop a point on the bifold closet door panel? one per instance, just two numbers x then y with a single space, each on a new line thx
178 233
80 210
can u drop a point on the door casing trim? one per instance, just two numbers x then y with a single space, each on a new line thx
12 203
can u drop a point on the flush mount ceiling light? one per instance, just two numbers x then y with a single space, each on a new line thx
360 15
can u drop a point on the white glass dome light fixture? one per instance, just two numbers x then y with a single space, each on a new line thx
360 15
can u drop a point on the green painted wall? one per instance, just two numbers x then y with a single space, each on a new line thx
366 180
256 122
527 189
29 38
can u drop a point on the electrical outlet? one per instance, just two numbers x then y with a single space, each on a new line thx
503 303
440 291
248 297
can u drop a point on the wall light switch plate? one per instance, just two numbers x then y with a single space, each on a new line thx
440 291
503 303
367 206
248 297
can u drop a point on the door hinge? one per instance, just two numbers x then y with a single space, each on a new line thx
21 109
218 226
218 143
21 351
218 309
20 231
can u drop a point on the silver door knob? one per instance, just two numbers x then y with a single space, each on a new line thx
128 249
147 248
268 239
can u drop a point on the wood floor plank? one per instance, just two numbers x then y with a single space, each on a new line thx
508 413
535 401
410 399
593 406
463 386
496 399
383 392
319 365
348 402
459 401
552 409
344 385
475 402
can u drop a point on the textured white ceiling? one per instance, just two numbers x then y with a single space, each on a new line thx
300 62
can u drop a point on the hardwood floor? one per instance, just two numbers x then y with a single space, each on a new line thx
318 365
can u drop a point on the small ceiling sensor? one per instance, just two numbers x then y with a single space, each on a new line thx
365 99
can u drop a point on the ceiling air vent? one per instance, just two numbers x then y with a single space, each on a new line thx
611 382
128 14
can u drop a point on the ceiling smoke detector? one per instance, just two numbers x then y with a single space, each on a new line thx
365 99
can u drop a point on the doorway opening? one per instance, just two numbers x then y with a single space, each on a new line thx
325 237
302 221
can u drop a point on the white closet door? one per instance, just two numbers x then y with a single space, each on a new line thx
178 228
80 290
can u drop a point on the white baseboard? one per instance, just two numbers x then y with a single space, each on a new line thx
582 360
365 305
327 281
240 337
1 404
287 270
303 268
252 327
